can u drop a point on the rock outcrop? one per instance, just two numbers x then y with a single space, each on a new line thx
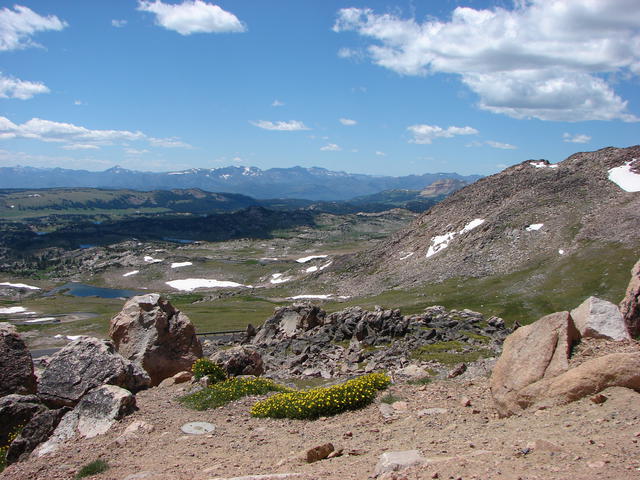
38 430
16 374
159 338
15 412
596 318
531 353
240 360
630 305
84 364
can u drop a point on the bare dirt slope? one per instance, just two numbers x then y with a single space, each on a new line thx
580 441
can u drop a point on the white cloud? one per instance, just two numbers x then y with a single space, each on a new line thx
543 59
380 154
290 126
277 103
503 146
348 122
76 137
192 16
15 88
135 151
576 138
18 25
424 134
331 147
118 23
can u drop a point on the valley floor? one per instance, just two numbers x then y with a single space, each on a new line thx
580 441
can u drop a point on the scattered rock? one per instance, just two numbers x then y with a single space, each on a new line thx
197 428
240 360
598 399
16 374
37 431
544 446
319 453
431 411
596 318
465 401
630 305
400 406
84 364
457 371
152 333
395 461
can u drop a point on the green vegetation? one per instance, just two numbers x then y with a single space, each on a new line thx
390 398
323 401
5 448
420 381
450 353
203 367
93 468
221 393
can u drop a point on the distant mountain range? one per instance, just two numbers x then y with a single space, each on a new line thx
296 182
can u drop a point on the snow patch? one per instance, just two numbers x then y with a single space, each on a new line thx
190 284
311 257
326 265
133 272
542 165
311 269
10 310
180 264
278 278
404 257
440 242
316 297
626 179
561 252
19 285
150 259
40 320
534 226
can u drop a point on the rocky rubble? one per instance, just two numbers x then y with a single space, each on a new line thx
303 340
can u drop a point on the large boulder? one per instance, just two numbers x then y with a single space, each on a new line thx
240 360
596 318
288 322
16 372
536 351
84 364
593 376
152 333
15 412
98 410
630 305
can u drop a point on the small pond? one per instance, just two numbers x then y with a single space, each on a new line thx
82 290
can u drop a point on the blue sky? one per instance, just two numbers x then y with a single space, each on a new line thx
376 87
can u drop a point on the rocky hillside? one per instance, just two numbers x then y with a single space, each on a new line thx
530 217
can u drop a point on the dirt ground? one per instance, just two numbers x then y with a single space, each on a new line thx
579 441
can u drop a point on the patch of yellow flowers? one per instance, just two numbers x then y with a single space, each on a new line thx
318 402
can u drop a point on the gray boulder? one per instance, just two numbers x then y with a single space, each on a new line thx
84 364
240 360
159 338
289 321
16 372
94 415
596 318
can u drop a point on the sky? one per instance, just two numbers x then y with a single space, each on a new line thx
377 87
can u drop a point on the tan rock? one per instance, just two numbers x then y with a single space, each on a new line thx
593 376
533 352
319 453
597 318
152 333
630 305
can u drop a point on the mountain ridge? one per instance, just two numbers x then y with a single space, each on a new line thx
313 183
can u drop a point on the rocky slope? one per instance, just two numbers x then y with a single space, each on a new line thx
527 216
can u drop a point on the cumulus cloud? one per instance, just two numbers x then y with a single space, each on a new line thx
192 16
277 103
380 154
331 147
118 23
576 138
425 134
17 26
544 59
290 126
348 122
75 137
15 88
500 145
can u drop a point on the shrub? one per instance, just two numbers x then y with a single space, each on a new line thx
226 391
203 367
317 402
93 468
390 398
